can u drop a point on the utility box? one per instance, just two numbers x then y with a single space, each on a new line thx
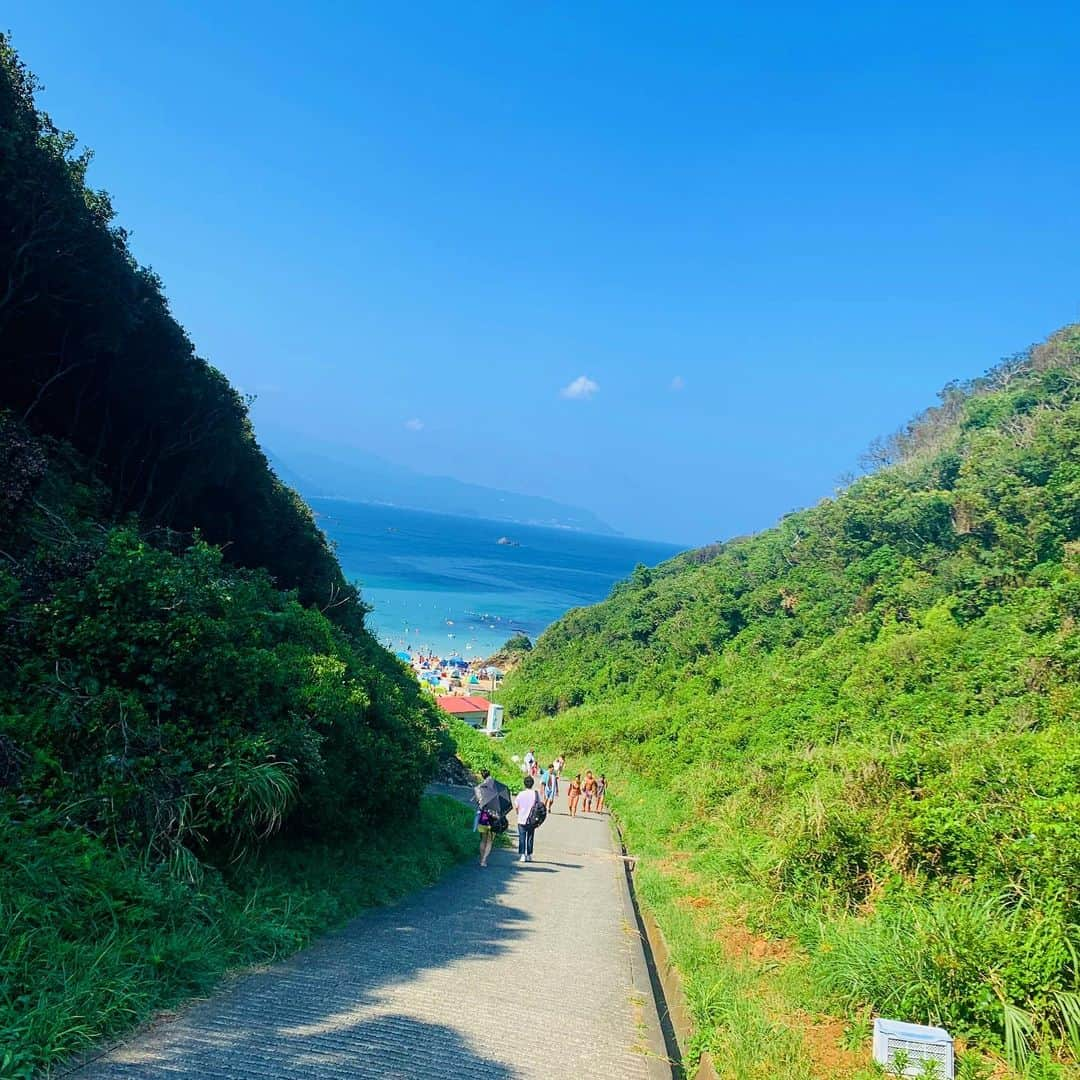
918 1042
494 718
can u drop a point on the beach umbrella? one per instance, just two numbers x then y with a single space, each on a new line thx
456 661
492 670
493 797
404 656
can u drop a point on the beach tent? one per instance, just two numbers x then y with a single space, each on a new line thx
456 661
404 656
491 670
473 679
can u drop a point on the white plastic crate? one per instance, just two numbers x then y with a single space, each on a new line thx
921 1043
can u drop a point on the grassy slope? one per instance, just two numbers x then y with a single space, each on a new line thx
158 940
857 732
478 751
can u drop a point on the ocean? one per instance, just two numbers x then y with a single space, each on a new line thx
446 585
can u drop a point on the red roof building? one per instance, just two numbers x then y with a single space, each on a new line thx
473 710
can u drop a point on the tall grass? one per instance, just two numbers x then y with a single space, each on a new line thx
960 961
93 940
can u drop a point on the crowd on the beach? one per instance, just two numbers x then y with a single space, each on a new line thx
452 674
585 794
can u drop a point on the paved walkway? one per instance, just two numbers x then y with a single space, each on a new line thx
526 971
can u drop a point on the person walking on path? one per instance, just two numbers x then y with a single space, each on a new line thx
601 791
493 803
560 761
551 787
526 800
483 826
419 988
588 789
573 793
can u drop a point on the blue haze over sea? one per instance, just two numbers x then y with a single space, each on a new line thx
445 584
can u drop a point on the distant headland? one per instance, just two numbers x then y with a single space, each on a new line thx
319 471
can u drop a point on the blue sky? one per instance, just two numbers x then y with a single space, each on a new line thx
752 236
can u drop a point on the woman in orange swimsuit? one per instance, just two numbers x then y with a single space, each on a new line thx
573 793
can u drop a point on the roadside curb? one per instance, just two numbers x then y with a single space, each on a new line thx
669 990
662 1065
675 994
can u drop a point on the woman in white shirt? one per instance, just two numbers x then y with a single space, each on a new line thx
527 798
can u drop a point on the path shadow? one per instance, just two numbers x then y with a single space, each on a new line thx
341 1007
389 1047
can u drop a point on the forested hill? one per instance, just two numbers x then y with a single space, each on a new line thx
204 755
861 726
91 354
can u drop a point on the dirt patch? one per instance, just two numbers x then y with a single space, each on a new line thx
823 1036
743 946
696 902
762 958
676 866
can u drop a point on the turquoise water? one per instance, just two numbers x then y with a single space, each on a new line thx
444 584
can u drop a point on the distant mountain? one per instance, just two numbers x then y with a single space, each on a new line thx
346 473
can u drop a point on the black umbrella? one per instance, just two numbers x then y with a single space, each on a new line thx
493 797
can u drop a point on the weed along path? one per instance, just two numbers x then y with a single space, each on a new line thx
515 970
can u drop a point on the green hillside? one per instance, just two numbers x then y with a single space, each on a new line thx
854 740
204 755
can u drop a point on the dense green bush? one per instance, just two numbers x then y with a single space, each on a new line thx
180 702
865 720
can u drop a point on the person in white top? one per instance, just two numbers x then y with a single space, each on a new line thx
527 798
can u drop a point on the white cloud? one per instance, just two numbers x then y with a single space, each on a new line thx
678 383
580 389
415 424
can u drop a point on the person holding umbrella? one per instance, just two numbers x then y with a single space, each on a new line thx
492 805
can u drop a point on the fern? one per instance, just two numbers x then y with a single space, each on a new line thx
1019 1028
1068 1003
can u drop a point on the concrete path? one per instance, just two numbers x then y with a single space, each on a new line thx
526 971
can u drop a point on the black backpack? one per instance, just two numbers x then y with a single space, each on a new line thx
500 824
538 813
